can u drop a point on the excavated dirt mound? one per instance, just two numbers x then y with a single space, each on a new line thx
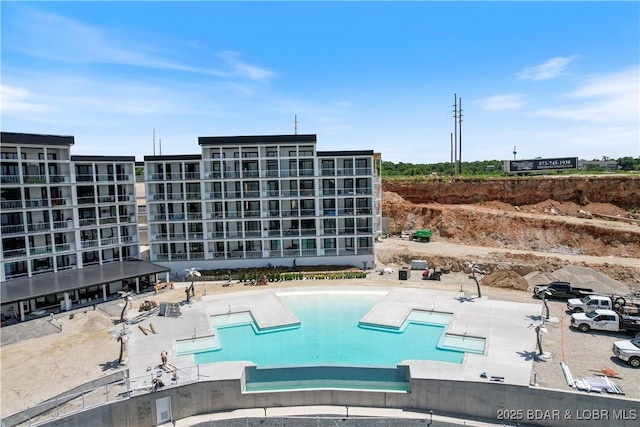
505 279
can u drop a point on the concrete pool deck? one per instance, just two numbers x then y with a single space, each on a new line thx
506 326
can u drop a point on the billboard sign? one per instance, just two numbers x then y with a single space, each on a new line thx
540 165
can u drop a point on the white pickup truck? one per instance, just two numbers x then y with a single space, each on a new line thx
629 351
589 303
622 305
605 320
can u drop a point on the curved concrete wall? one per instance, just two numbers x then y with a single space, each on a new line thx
491 401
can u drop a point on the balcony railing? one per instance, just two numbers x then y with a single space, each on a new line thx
215 195
291 253
109 241
363 171
128 239
345 171
176 217
308 231
175 196
155 177
251 194
307 193
109 220
177 236
196 255
12 229
158 217
85 222
194 196
329 232
57 225
253 254
104 177
330 251
84 178
14 253
194 215
11 204
307 212
106 199
34 179
192 175
216 235
10 179
88 244
41 250
37 203
39 227
272 233
65 247
309 252
196 236
88 200
253 233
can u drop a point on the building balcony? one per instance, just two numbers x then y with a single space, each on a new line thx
253 233
84 178
109 241
365 251
44 270
106 199
274 233
348 230
34 179
330 251
10 179
126 198
65 247
88 244
105 178
109 220
308 231
161 257
196 255
250 174
289 193
234 234
251 214
232 194
194 215
87 200
192 176
196 236
58 178
231 174
291 253
176 217
309 252
86 222
155 177
41 226
128 239
175 196
37 203
345 172
174 176
215 195
194 196
253 254
11 204
14 253
328 172
40 250
251 194
12 229
64 201
307 212
216 235
363 171
158 217
59 225
307 193
177 236
124 177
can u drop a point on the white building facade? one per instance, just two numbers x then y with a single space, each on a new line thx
251 201
61 212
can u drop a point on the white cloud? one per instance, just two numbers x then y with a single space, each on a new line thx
548 70
244 69
504 102
20 100
610 98
59 38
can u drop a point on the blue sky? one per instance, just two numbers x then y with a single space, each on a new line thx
553 79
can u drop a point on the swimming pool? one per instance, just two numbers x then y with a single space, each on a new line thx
330 334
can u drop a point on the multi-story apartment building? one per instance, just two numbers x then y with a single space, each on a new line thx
250 201
64 214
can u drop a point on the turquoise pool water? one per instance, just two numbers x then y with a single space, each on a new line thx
330 334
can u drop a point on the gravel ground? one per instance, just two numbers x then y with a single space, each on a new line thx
88 337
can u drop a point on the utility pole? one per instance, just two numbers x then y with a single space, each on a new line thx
460 135
514 152
295 124
452 160
455 133
154 141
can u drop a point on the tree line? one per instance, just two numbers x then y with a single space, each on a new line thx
494 167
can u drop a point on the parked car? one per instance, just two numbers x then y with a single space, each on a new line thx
560 290
629 351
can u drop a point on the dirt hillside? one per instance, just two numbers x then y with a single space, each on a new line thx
583 216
